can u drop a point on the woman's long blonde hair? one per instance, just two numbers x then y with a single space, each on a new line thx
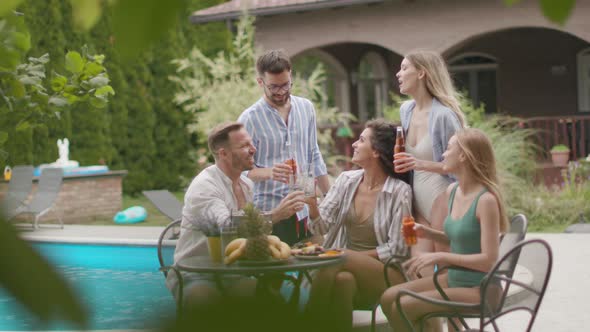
481 162
438 80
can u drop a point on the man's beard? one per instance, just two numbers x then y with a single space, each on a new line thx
282 99
244 165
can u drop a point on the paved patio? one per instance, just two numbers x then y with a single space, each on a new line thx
563 309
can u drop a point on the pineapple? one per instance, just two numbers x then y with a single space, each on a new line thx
257 249
255 229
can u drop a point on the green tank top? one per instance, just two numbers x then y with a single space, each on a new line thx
465 237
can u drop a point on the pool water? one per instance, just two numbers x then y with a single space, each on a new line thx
120 285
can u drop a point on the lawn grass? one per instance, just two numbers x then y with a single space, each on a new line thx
154 217
548 228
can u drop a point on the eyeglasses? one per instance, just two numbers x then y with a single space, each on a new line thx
277 88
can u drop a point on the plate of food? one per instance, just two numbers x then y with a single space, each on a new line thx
316 252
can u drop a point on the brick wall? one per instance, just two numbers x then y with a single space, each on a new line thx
84 198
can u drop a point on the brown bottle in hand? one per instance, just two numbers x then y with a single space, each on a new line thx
408 231
400 142
408 222
293 164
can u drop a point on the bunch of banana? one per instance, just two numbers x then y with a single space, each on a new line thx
278 248
235 249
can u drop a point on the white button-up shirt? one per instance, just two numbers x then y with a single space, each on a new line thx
210 197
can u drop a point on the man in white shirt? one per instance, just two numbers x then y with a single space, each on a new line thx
212 195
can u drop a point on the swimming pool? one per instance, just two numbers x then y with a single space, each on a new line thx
120 285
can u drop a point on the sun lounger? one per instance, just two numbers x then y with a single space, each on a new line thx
165 202
43 200
19 188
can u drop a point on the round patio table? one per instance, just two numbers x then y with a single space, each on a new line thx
262 272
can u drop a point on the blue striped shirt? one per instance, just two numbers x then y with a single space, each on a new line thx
276 142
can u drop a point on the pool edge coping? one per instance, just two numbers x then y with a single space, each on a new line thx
90 240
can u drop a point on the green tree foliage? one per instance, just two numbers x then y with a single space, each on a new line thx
170 134
43 20
141 129
208 87
31 97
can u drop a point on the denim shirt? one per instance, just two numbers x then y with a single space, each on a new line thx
442 124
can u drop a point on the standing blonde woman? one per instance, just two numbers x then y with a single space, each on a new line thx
429 120
472 227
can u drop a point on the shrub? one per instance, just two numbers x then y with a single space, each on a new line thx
553 209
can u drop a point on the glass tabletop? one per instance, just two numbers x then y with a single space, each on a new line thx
203 264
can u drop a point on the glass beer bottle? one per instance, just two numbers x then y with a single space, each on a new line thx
408 227
291 162
400 142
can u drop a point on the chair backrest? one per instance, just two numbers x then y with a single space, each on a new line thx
167 244
165 202
48 188
19 188
530 291
516 233
21 182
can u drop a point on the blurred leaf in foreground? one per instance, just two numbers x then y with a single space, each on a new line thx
137 23
26 275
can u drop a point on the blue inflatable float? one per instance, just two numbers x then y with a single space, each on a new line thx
131 215
84 170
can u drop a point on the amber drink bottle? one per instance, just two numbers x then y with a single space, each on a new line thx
400 142
409 232
408 227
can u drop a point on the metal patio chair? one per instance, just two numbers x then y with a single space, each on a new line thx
516 233
494 288
19 188
166 246
165 202
44 198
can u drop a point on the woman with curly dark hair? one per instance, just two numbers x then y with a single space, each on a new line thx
362 213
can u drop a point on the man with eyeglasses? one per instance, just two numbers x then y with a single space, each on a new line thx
282 127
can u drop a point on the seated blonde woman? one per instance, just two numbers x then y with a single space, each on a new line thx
363 213
476 216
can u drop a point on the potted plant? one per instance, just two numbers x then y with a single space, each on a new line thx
560 155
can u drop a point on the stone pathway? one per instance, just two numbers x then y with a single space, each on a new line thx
566 303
